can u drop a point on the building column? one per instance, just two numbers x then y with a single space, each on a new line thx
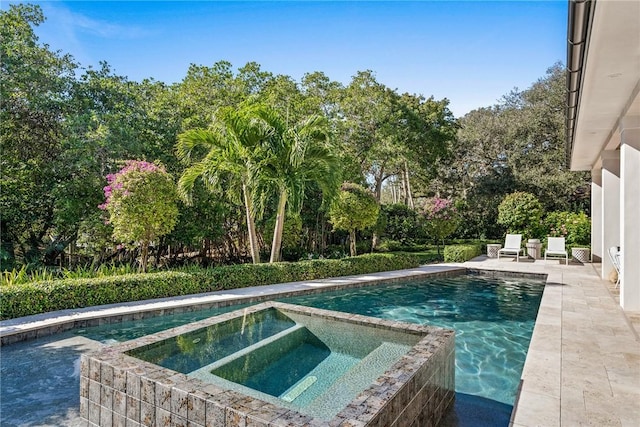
630 213
597 251
610 208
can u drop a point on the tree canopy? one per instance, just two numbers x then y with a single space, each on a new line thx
355 208
141 202
253 148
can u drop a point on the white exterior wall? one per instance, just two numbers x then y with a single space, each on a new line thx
597 251
610 207
630 213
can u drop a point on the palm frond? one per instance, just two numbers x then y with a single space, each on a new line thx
191 141
187 181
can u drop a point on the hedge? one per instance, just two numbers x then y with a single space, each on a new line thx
396 246
461 253
40 297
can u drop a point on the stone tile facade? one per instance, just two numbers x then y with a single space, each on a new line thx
119 390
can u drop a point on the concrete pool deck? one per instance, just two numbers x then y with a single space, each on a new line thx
583 364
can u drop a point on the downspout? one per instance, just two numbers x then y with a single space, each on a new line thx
578 32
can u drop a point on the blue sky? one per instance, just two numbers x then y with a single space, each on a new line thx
471 52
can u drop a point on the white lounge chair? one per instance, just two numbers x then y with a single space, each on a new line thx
555 247
512 246
614 254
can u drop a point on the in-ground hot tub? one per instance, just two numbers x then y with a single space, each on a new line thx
274 364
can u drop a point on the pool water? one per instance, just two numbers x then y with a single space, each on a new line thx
275 369
188 352
283 355
493 320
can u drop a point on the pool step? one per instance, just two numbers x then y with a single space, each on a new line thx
299 388
358 378
205 371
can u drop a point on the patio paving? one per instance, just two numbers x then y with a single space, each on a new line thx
583 364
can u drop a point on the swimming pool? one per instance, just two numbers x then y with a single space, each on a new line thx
493 319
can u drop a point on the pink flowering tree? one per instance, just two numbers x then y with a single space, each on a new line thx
441 218
141 203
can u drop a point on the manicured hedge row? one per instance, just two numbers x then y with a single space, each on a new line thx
41 297
461 253
396 246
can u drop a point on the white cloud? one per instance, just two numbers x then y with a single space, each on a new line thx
71 22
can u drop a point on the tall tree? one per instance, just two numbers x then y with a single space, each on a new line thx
296 156
516 145
368 128
35 88
205 89
537 145
225 157
427 130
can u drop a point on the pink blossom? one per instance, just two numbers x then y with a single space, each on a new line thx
437 208
114 179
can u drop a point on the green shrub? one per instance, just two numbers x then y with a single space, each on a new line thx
521 213
574 227
39 297
461 253
401 223
396 246
428 257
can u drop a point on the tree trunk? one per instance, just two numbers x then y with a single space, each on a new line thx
251 227
323 237
379 179
394 191
144 255
409 197
276 245
352 242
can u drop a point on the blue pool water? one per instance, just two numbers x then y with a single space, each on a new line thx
188 352
493 319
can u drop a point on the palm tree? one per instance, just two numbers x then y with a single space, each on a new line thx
225 158
296 157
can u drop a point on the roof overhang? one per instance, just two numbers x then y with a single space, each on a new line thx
603 76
